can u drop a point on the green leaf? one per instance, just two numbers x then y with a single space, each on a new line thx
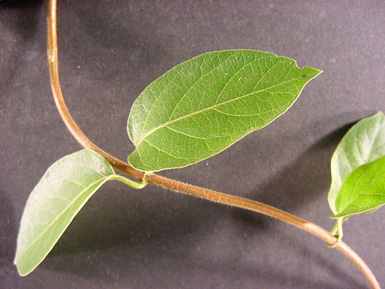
363 190
363 143
57 198
204 105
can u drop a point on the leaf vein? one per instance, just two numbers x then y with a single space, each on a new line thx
59 215
212 107
163 151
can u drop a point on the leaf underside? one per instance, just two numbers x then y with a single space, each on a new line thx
55 201
363 190
363 143
204 105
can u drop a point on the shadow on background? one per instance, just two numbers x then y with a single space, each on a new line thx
300 182
126 218
123 232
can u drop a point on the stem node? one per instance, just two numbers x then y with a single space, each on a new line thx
52 51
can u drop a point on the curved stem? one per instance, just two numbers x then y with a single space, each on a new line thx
52 52
261 208
191 190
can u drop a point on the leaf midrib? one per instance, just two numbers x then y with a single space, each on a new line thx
362 191
211 107
104 179
229 57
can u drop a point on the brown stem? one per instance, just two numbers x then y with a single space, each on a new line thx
261 208
191 190
61 105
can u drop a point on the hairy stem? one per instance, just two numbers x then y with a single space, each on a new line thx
191 190
261 208
52 52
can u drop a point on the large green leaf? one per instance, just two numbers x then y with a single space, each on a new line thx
204 105
363 143
363 190
54 202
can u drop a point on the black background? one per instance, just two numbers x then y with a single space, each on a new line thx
109 51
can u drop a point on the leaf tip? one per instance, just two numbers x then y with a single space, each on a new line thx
315 72
23 264
22 271
379 113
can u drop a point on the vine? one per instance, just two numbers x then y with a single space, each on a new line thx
228 68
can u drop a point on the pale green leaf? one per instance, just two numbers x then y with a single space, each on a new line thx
204 105
363 143
363 190
54 202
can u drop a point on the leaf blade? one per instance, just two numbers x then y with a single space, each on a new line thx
363 143
206 104
363 190
57 198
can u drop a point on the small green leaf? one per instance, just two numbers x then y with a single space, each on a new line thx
363 190
363 143
57 198
204 105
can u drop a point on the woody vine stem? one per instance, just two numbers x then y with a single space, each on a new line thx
225 199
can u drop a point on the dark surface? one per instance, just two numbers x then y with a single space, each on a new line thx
109 51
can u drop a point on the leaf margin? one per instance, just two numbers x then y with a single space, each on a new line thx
336 184
134 158
351 182
21 261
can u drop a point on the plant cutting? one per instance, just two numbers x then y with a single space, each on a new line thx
194 111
